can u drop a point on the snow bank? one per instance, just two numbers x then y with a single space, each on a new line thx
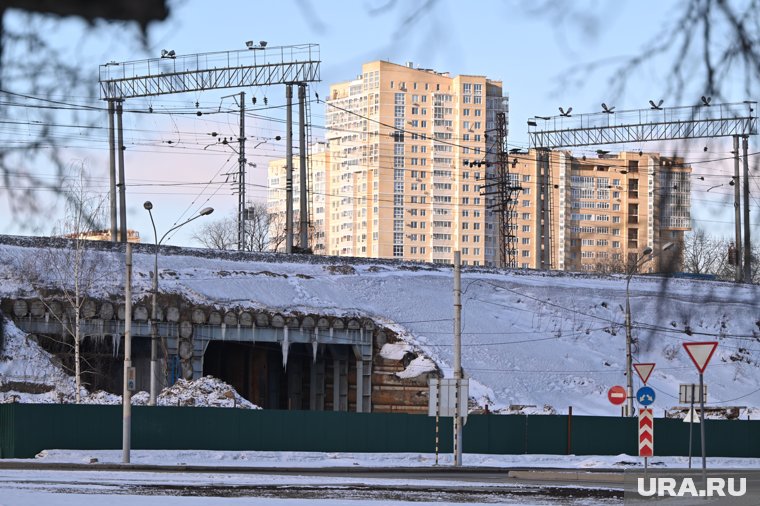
30 374
417 367
203 392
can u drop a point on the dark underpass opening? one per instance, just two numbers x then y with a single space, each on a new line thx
256 371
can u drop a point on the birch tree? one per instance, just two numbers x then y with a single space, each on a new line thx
69 272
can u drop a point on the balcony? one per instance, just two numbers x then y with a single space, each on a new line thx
633 219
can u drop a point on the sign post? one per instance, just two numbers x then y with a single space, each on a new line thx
687 394
645 395
646 434
700 354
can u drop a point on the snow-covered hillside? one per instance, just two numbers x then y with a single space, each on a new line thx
529 338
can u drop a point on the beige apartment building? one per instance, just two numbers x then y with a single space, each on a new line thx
400 142
410 151
317 188
599 214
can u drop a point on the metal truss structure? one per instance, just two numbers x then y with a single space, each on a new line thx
506 190
705 120
257 66
644 125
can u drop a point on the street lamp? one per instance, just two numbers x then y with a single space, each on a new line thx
148 205
645 257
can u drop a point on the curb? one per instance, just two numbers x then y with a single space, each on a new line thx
577 476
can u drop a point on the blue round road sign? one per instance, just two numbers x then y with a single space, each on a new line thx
645 395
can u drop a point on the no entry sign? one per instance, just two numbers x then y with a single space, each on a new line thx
616 395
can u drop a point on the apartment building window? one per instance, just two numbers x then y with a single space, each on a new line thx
526 203
413 250
477 125
465 238
526 228
615 195
525 253
525 240
466 125
465 201
526 216
467 88
616 244
616 207
465 213
616 219
398 250
478 111
465 112
616 231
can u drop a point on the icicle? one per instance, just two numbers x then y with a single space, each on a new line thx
285 347
315 344
116 338
224 330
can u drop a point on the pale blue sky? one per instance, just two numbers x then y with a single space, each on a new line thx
531 53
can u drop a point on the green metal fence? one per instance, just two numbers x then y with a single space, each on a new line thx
26 429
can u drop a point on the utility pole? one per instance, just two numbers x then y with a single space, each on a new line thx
122 178
458 358
303 206
737 215
112 169
747 242
128 371
289 168
241 176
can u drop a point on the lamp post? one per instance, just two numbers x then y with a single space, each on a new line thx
148 205
628 357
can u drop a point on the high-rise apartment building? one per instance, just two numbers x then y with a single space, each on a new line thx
599 214
318 192
401 139
409 171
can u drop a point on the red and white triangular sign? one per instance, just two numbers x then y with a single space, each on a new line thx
644 370
701 353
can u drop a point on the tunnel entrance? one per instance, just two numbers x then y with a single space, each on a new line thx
256 371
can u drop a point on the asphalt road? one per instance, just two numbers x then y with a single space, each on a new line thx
418 485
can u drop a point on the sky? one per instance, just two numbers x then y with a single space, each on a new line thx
540 57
